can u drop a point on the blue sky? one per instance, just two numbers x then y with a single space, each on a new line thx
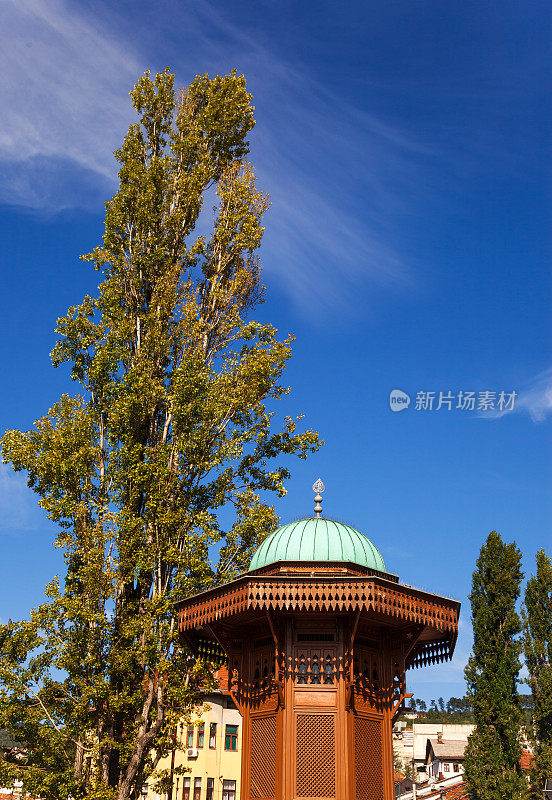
405 148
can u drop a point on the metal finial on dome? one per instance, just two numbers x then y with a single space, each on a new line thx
318 487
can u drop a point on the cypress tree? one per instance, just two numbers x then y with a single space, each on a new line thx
492 766
537 645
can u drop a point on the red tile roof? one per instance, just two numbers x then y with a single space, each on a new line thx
527 759
458 792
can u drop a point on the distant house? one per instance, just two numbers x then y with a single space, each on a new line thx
10 747
208 747
410 744
458 792
444 758
441 791
403 785
13 751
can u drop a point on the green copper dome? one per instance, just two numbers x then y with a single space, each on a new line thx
317 539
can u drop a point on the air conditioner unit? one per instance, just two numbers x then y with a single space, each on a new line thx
191 752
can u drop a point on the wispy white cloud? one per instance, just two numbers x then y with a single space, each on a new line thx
533 398
343 181
64 96
65 85
536 397
19 509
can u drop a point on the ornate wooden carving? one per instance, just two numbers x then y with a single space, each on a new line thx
372 595
317 667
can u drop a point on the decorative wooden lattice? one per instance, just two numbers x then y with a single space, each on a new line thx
263 757
371 595
366 667
399 682
369 693
432 653
368 759
315 666
315 755
262 668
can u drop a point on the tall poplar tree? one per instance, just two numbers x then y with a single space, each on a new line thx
492 768
537 645
173 422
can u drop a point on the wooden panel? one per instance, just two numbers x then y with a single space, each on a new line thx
315 763
366 701
368 759
264 703
305 698
263 757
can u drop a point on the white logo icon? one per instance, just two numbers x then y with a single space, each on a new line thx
398 400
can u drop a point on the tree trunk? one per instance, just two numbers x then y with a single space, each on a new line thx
143 743
142 748
79 760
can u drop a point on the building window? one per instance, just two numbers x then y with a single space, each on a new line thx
446 767
231 737
213 735
190 736
200 734
197 788
186 789
456 768
210 789
229 790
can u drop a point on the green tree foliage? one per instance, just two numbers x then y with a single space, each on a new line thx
537 645
174 422
397 761
455 710
492 767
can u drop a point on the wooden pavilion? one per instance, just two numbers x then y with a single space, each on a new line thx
318 638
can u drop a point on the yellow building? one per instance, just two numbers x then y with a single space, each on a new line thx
210 747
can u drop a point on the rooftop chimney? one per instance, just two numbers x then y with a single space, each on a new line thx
440 737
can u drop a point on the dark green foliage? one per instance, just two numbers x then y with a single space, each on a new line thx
457 710
492 767
537 645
